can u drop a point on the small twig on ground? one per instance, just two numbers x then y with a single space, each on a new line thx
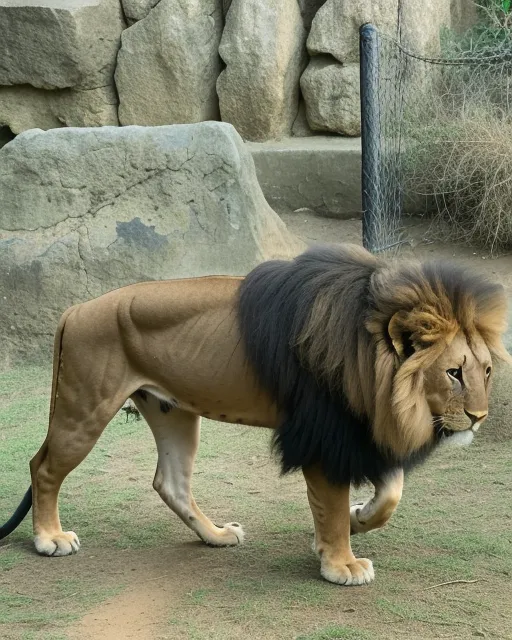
157 578
442 584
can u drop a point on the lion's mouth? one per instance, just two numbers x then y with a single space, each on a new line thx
442 433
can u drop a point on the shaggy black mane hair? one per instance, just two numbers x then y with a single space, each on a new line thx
318 427
331 296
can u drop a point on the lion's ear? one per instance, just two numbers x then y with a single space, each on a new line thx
412 331
400 335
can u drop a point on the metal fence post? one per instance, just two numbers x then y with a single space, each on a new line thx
370 133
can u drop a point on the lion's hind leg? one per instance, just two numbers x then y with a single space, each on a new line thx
176 434
76 424
376 512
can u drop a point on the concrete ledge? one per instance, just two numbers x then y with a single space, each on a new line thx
322 173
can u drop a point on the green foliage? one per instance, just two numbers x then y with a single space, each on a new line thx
493 30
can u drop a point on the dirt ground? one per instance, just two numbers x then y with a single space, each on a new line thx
141 574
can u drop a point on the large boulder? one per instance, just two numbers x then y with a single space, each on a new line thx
25 107
169 63
308 10
335 27
331 93
422 25
225 6
137 9
88 210
54 44
263 48
330 84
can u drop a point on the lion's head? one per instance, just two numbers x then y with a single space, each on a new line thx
444 326
348 343
425 363
457 385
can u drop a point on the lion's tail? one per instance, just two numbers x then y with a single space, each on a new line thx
18 516
24 507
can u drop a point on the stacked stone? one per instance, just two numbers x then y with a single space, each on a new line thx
57 62
272 68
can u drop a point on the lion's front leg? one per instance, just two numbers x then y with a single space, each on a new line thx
330 506
376 512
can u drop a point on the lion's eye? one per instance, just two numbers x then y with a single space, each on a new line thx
488 372
456 374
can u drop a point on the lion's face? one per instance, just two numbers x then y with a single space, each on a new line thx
457 385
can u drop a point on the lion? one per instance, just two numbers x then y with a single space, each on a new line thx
361 367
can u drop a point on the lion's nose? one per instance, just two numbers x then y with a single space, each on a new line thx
476 416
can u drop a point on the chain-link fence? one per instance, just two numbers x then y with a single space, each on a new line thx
436 139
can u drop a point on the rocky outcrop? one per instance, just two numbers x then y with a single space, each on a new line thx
57 62
225 6
137 9
263 48
330 84
87 210
422 24
331 93
54 45
308 10
25 107
58 58
335 28
169 63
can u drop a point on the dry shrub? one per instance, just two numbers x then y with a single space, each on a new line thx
463 166
458 131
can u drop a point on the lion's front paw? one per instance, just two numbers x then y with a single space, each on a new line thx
59 544
234 533
356 526
229 535
355 573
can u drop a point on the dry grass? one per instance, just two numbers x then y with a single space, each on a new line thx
464 168
457 132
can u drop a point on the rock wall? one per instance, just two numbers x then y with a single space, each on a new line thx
272 68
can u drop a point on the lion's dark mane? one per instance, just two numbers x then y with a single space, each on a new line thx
318 427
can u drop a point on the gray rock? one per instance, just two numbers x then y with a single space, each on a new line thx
331 92
59 43
25 107
168 64
422 23
87 210
263 48
135 10
301 128
308 10
335 27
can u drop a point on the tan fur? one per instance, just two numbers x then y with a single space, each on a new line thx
180 341
383 384
331 514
